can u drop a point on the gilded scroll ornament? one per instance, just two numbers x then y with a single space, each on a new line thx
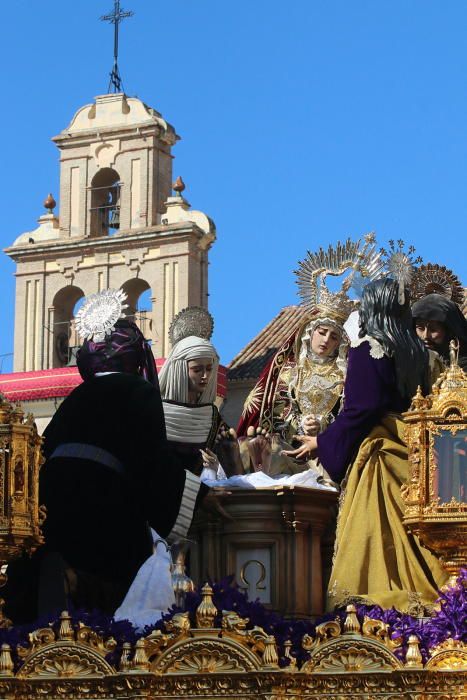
67 652
354 658
348 659
206 656
450 655
350 647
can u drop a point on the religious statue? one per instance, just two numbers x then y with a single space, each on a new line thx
300 389
437 310
108 477
188 383
375 558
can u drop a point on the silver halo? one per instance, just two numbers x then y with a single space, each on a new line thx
97 317
194 320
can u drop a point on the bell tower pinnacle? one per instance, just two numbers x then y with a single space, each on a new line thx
116 18
118 227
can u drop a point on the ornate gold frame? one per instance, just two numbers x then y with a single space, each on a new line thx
20 460
441 526
349 660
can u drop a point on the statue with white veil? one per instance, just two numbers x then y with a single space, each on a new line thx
188 383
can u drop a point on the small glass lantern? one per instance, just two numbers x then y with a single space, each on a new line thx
20 460
436 493
181 582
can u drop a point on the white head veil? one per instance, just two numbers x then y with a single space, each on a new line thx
173 377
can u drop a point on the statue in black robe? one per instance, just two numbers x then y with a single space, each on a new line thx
108 476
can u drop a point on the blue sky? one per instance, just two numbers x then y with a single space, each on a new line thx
302 123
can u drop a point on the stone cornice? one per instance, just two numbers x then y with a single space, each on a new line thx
116 242
149 128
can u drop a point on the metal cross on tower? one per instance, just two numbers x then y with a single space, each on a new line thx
115 18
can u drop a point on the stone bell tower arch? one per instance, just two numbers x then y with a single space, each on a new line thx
118 226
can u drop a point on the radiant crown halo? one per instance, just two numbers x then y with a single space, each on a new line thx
436 279
100 312
360 258
194 320
400 265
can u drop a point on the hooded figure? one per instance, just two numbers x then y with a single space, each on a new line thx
188 382
437 321
108 475
174 375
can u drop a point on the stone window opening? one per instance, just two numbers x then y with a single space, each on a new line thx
105 193
139 300
65 340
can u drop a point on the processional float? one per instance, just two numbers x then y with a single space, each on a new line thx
206 650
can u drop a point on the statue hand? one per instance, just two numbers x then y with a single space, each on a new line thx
307 449
210 460
311 425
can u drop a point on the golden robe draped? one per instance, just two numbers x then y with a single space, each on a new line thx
375 557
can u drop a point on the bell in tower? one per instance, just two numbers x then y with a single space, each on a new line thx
105 202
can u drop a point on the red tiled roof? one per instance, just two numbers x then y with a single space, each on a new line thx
58 383
250 362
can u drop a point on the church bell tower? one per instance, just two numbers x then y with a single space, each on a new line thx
119 226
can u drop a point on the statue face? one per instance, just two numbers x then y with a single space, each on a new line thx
433 333
199 372
325 341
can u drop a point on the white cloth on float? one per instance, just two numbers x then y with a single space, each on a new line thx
151 593
260 480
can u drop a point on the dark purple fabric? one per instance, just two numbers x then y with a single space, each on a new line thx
370 391
124 350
